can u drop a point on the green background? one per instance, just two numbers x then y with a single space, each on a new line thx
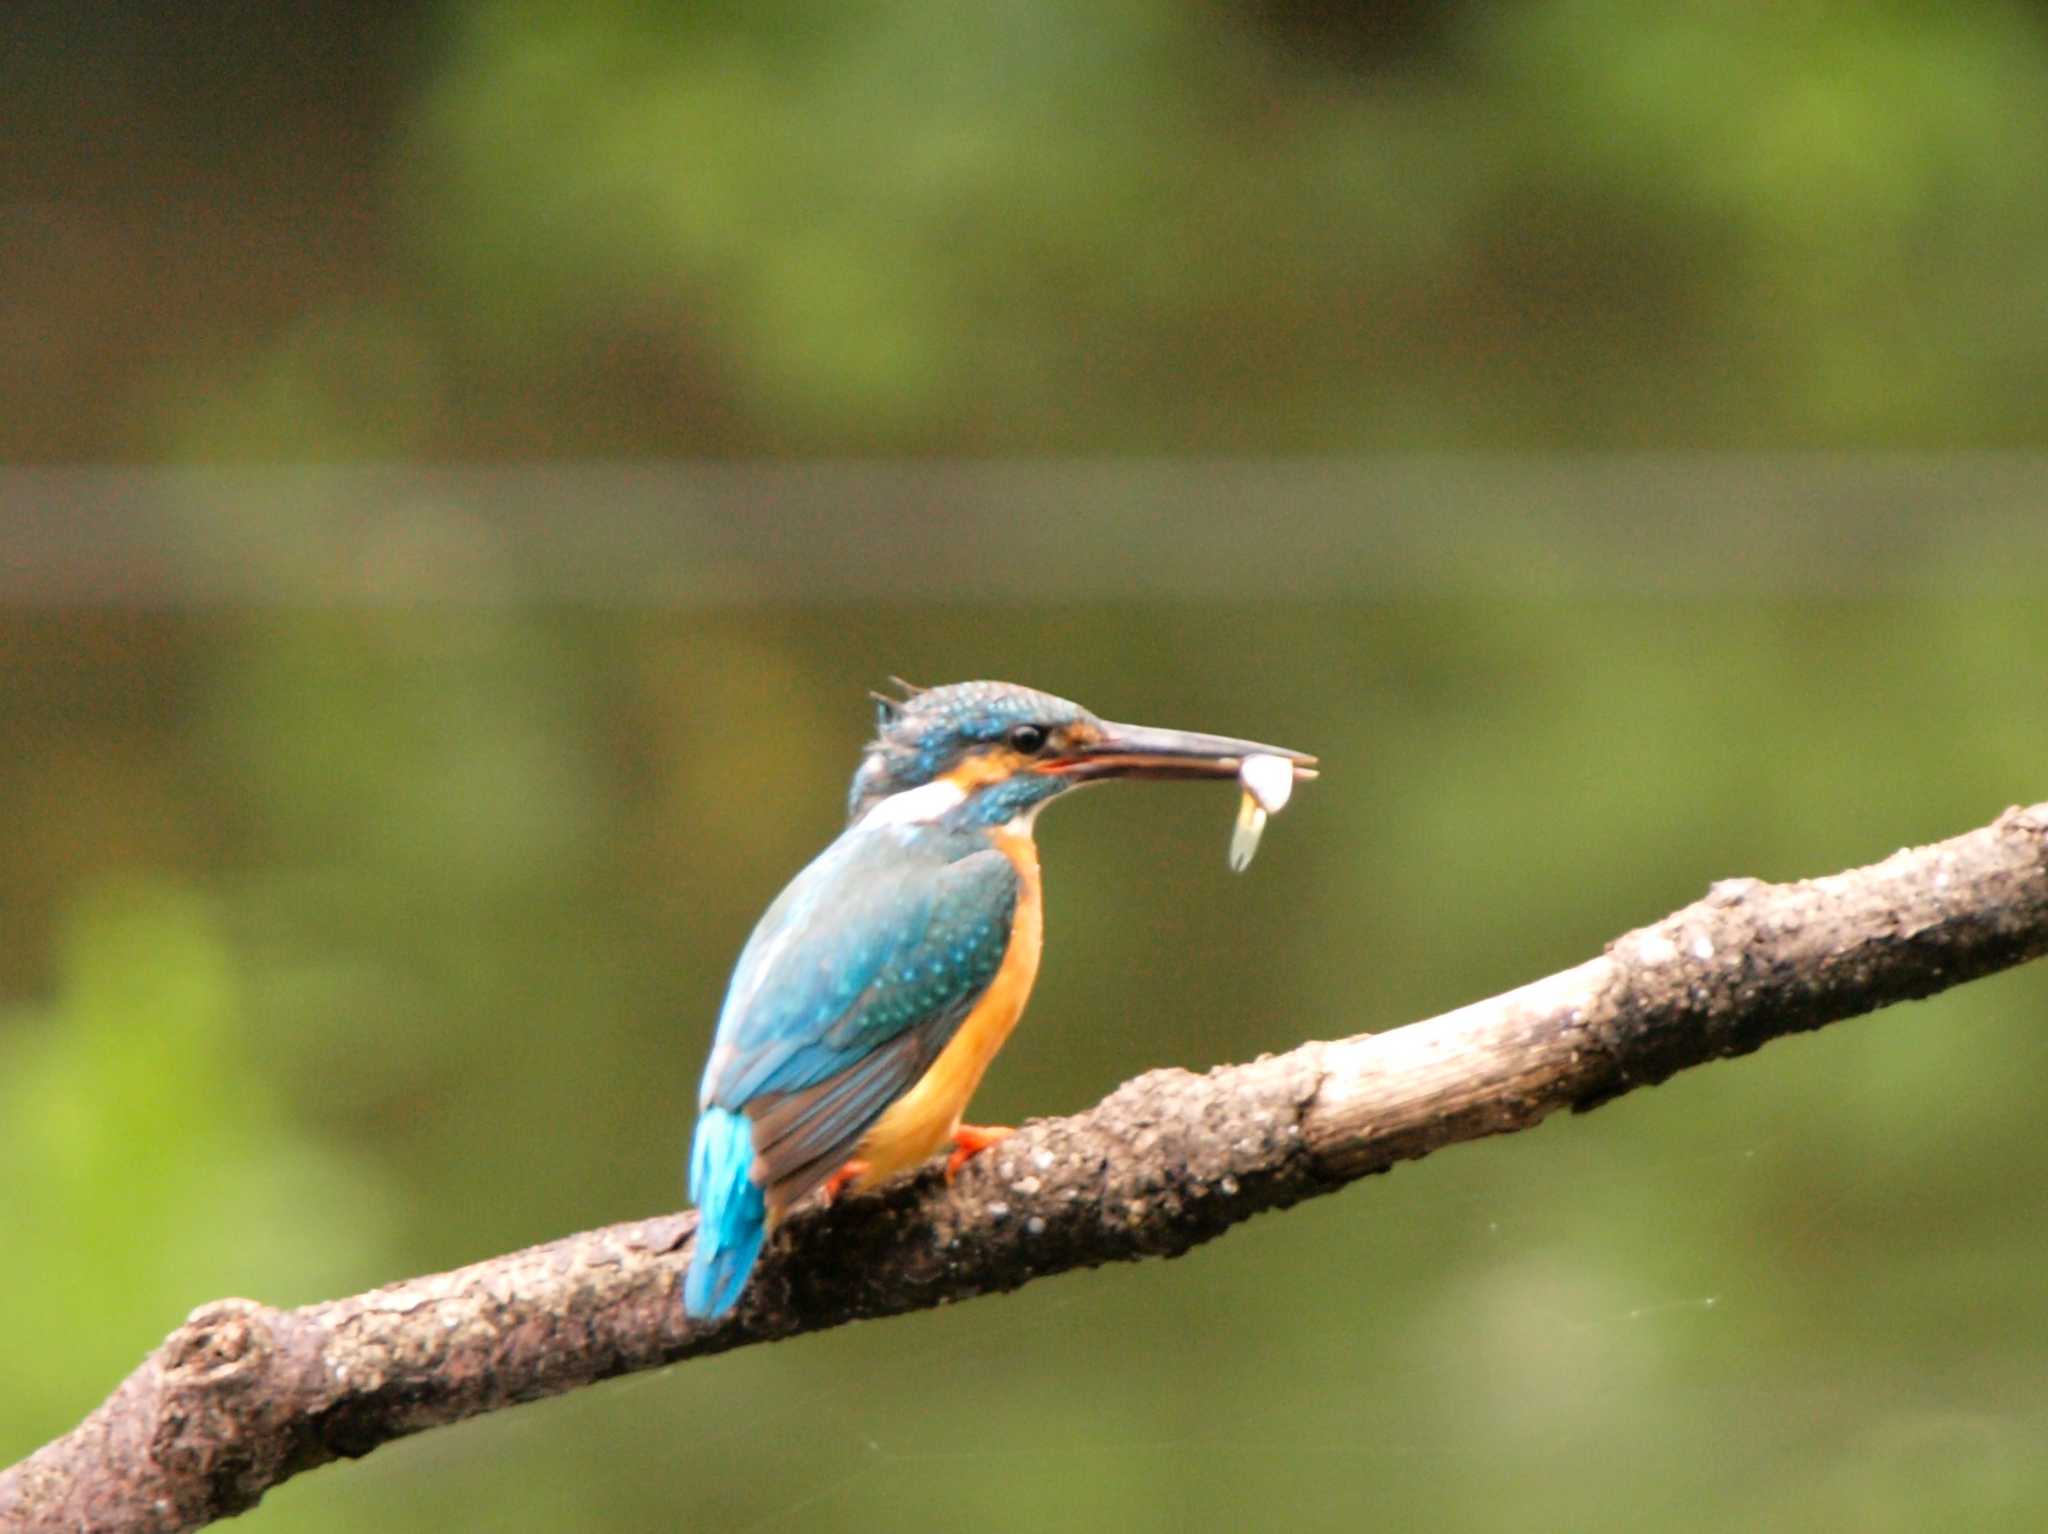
468 462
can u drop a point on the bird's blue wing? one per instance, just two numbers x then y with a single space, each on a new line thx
852 983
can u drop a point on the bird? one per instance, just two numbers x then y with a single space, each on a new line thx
880 983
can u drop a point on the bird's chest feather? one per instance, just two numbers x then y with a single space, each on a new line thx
924 1118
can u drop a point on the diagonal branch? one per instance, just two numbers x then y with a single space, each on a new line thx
244 1396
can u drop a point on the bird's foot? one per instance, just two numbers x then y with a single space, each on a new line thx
971 1140
836 1183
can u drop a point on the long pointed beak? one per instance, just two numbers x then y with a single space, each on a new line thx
1140 751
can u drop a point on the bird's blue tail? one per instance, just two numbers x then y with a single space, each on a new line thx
732 1217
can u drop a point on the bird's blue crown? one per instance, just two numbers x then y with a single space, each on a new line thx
927 734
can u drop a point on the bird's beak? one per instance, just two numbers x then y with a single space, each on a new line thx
1139 751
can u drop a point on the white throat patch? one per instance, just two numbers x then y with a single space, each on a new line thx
917 806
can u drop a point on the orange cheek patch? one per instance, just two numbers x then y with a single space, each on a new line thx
986 767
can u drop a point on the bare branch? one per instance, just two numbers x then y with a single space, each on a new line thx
244 1396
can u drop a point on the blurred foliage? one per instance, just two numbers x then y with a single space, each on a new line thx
375 859
508 227
148 1160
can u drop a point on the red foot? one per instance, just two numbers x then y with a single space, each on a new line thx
836 1183
971 1140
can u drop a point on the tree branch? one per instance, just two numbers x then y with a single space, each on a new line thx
244 1396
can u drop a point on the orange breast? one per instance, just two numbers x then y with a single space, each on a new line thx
924 1118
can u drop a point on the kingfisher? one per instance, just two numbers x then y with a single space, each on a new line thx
879 985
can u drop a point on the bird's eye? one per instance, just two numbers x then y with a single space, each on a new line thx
1027 738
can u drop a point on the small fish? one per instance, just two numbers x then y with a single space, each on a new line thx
1268 781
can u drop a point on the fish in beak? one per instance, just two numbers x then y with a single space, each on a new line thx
1140 751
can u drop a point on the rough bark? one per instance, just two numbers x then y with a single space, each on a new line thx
244 1396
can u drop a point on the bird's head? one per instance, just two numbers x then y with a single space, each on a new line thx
984 753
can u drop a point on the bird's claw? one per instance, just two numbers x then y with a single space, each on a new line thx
835 1185
971 1140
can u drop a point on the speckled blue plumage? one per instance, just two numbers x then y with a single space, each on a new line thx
918 738
853 981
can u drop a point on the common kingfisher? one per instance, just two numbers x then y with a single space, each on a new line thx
881 982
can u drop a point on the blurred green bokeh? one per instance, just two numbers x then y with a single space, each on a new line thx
381 836
504 228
